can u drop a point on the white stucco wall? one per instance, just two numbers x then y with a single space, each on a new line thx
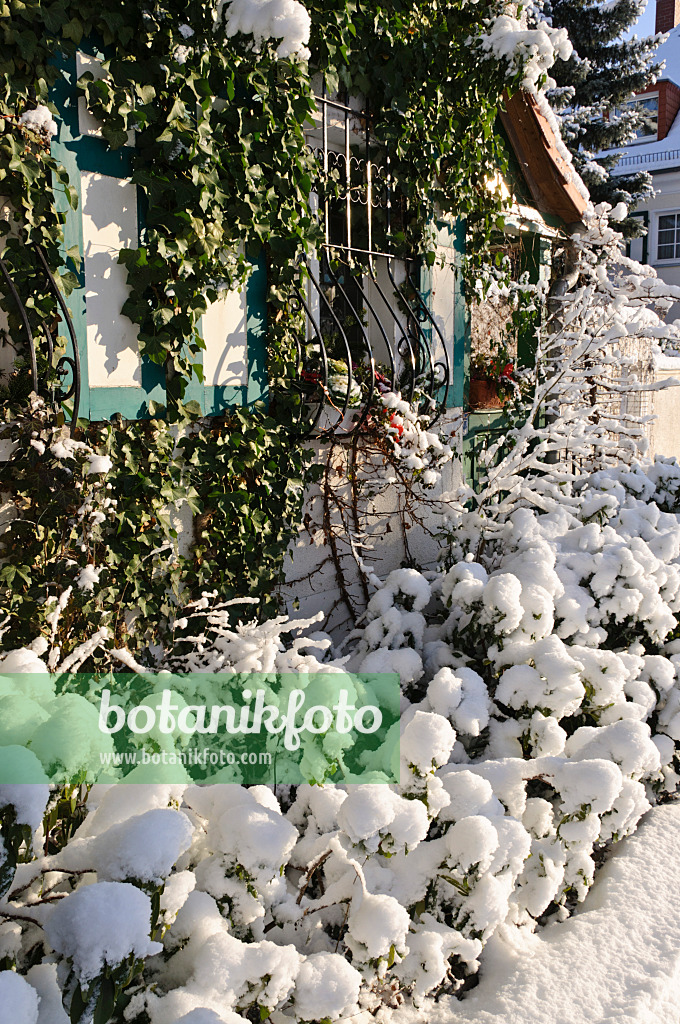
312 584
666 406
666 200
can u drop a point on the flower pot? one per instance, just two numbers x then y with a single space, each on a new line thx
484 395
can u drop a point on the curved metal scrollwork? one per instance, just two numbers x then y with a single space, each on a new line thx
367 333
43 382
368 328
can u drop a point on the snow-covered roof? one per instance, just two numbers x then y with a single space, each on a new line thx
670 53
658 154
652 156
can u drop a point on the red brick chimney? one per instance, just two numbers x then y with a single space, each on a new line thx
667 15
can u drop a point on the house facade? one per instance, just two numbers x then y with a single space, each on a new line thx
366 316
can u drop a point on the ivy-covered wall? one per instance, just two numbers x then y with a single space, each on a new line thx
223 178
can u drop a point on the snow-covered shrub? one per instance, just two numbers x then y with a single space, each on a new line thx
540 718
665 473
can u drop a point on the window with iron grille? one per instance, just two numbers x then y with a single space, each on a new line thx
368 327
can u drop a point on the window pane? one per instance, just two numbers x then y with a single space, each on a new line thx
669 237
649 109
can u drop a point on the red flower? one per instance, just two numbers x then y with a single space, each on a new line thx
395 426
508 370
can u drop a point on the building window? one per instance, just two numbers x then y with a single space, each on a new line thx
369 326
668 242
648 108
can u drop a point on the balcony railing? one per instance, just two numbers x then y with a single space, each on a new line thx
668 156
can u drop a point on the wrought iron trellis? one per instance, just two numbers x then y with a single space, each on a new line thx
43 381
369 329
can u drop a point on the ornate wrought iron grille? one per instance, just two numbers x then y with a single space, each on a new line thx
368 328
49 379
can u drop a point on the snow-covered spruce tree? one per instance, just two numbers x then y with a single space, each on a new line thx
603 72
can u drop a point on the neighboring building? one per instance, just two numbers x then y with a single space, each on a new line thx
657 150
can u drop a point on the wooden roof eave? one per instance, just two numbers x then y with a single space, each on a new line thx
547 173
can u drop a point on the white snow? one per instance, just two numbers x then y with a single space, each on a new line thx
18 999
327 986
616 960
427 740
142 848
534 50
43 978
99 464
669 53
101 924
88 577
377 923
39 120
25 784
23 659
286 20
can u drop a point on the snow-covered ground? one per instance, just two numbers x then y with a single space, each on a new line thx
616 960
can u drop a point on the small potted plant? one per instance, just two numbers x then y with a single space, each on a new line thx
492 379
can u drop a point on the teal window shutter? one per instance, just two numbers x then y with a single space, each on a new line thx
234 360
110 216
114 379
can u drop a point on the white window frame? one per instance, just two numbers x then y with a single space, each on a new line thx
633 102
673 260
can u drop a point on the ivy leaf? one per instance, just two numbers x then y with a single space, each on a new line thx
146 93
156 409
69 280
73 253
163 316
7 574
73 29
177 111
115 137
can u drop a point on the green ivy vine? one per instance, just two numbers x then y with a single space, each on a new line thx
239 477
